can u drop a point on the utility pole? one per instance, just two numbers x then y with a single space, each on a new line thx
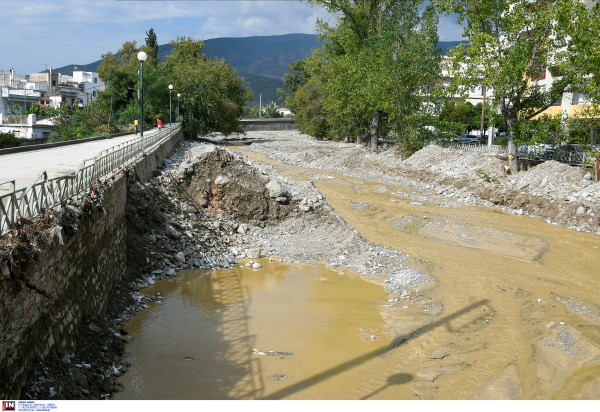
482 117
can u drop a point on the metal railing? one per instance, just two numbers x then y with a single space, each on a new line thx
560 153
44 193
498 150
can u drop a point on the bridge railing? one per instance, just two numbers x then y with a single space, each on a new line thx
43 193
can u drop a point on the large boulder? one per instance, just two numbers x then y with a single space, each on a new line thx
275 189
172 233
253 253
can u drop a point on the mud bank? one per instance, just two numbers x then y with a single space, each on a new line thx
552 191
209 208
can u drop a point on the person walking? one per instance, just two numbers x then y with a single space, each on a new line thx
136 125
159 122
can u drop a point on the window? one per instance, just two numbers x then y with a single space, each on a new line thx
53 83
95 80
94 93
580 98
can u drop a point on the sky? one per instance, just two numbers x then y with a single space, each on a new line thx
37 33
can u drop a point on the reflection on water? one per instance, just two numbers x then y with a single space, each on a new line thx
218 317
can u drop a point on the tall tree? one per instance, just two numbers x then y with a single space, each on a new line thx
356 23
377 66
152 46
213 97
297 77
513 41
407 66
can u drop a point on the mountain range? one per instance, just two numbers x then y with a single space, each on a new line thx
261 60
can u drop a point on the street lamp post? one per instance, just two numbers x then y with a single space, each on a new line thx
178 96
170 90
142 56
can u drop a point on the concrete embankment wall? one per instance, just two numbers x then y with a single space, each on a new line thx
78 275
251 125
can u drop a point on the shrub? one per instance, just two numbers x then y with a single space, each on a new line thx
9 140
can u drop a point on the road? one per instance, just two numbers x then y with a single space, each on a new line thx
26 166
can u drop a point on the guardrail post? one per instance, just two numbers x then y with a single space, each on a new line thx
13 202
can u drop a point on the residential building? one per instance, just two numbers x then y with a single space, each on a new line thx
14 95
27 126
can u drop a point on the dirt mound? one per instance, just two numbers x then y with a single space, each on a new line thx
455 163
223 180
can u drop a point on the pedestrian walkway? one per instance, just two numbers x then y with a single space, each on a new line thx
26 166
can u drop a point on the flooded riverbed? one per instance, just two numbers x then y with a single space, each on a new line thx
198 342
520 308
514 313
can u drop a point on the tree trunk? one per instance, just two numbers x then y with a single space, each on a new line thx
358 139
346 139
375 129
512 147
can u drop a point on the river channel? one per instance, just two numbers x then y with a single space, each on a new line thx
517 313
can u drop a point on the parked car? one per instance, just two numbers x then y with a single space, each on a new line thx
469 139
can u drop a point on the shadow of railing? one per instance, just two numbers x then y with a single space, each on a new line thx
397 379
313 380
233 301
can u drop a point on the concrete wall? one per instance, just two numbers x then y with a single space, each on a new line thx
250 125
78 274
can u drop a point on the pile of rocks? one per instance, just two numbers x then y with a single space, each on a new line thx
197 235
558 181
553 191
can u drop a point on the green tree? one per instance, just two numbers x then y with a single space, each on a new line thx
511 41
311 115
344 47
152 46
377 67
406 65
213 97
293 80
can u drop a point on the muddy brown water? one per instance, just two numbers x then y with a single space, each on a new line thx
519 318
311 315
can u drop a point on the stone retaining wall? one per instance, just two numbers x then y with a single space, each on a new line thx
78 274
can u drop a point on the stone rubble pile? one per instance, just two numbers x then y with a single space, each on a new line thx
196 237
552 191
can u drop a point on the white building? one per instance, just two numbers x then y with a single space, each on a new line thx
14 94
26 126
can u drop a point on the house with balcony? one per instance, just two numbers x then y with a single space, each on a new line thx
27 126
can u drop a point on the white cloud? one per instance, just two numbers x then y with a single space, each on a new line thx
78 32
449 30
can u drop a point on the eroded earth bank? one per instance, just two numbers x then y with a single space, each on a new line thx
484 300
